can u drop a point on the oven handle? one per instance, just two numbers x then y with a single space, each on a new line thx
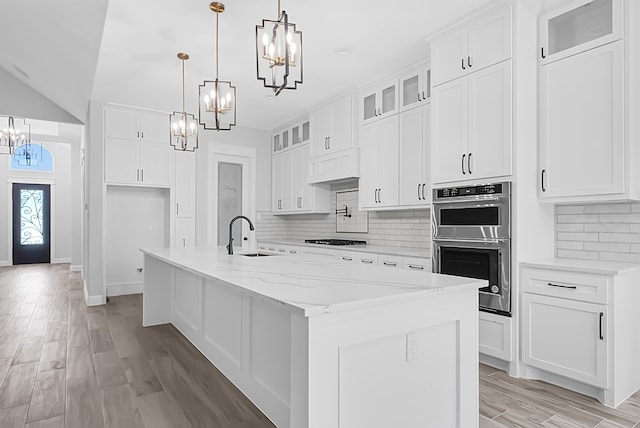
472 199
472 241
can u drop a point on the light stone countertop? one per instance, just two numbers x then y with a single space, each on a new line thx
379 249
584 266
311 285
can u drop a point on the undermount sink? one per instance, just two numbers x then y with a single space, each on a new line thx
257 254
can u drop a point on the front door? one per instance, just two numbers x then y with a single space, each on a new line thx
31 223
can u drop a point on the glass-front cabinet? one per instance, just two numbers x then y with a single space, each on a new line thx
300 133
379 101
579 26
415 87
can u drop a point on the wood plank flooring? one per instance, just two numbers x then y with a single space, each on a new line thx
65 365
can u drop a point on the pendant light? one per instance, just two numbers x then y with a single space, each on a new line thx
28 154
217 97
279 53
183 132
12 136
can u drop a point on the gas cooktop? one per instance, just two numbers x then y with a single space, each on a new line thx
334 242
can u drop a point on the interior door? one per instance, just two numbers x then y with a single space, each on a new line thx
31 223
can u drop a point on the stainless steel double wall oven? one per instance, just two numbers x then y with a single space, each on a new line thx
472 238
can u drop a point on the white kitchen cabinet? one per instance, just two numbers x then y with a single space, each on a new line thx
379 164
483 41
301 132
579 26
472 126
368 259
332 127
379 101
576 318
136 149
582 143
390 261
185 184
280 140
415 87
291 194
414 188
551 323
420 264
185 232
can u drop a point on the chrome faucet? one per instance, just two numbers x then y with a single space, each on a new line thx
230 246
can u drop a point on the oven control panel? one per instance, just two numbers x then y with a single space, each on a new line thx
485 189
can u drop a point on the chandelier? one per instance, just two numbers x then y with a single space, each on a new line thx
217 98
12 136
279 53
28 154
183 126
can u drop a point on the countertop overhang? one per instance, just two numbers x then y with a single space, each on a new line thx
310 285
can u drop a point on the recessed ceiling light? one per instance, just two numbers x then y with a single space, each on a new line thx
343 51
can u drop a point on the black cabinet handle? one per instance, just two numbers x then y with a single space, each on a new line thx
469 61
463 67
601 316
390 264
423 186
463 171
469 163
416 267
379 193
419 97
542 181
551 284
142 175
329 142
177 208
542 53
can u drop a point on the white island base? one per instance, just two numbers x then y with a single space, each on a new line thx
404 359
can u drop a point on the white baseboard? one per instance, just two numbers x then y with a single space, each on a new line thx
123 289
5 263
93 300
75 268
58 261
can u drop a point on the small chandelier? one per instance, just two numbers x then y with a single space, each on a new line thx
217 98
183 132
12 136
28 154
279 53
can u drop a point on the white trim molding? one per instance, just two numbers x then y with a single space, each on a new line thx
93 300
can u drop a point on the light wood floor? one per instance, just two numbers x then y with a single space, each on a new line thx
65 365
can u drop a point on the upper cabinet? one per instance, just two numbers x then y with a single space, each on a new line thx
379 101
280 140
379 164
586 147
482 42
332 127
415 87
137 149
579 26
414 187
301 132
472 134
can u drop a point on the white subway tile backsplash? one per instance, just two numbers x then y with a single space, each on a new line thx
606 231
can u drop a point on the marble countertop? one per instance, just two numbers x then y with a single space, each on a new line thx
310 285
379 249
586 266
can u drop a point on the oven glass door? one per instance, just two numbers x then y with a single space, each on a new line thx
481 260
472 220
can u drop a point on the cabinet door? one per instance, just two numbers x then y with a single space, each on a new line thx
288 201
489 118
120 123
154 127
341 135
184 236
301 192
489 39
369 105
388 104
276 145
579 26
449 135
369 168
448 56
121 161
566 337
321 119
415 88
413 158
581 123
185 183
155 163
388 162
277 183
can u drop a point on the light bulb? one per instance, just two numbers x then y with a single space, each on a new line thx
265 39
213 94
229 97
192 126
272 49
293 48
175 126
206 100
289 38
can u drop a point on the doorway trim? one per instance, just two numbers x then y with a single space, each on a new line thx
52 216
231 154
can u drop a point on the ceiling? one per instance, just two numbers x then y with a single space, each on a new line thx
124 51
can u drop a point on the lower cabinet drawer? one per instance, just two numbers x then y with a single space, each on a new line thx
390 261
416 263
494 335
567 284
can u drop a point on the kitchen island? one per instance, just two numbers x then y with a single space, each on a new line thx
321 344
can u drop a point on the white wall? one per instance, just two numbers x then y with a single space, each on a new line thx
137 217
238 136
61 214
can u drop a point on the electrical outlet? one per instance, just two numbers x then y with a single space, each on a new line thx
412 347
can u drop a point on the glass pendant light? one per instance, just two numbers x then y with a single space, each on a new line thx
183 131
